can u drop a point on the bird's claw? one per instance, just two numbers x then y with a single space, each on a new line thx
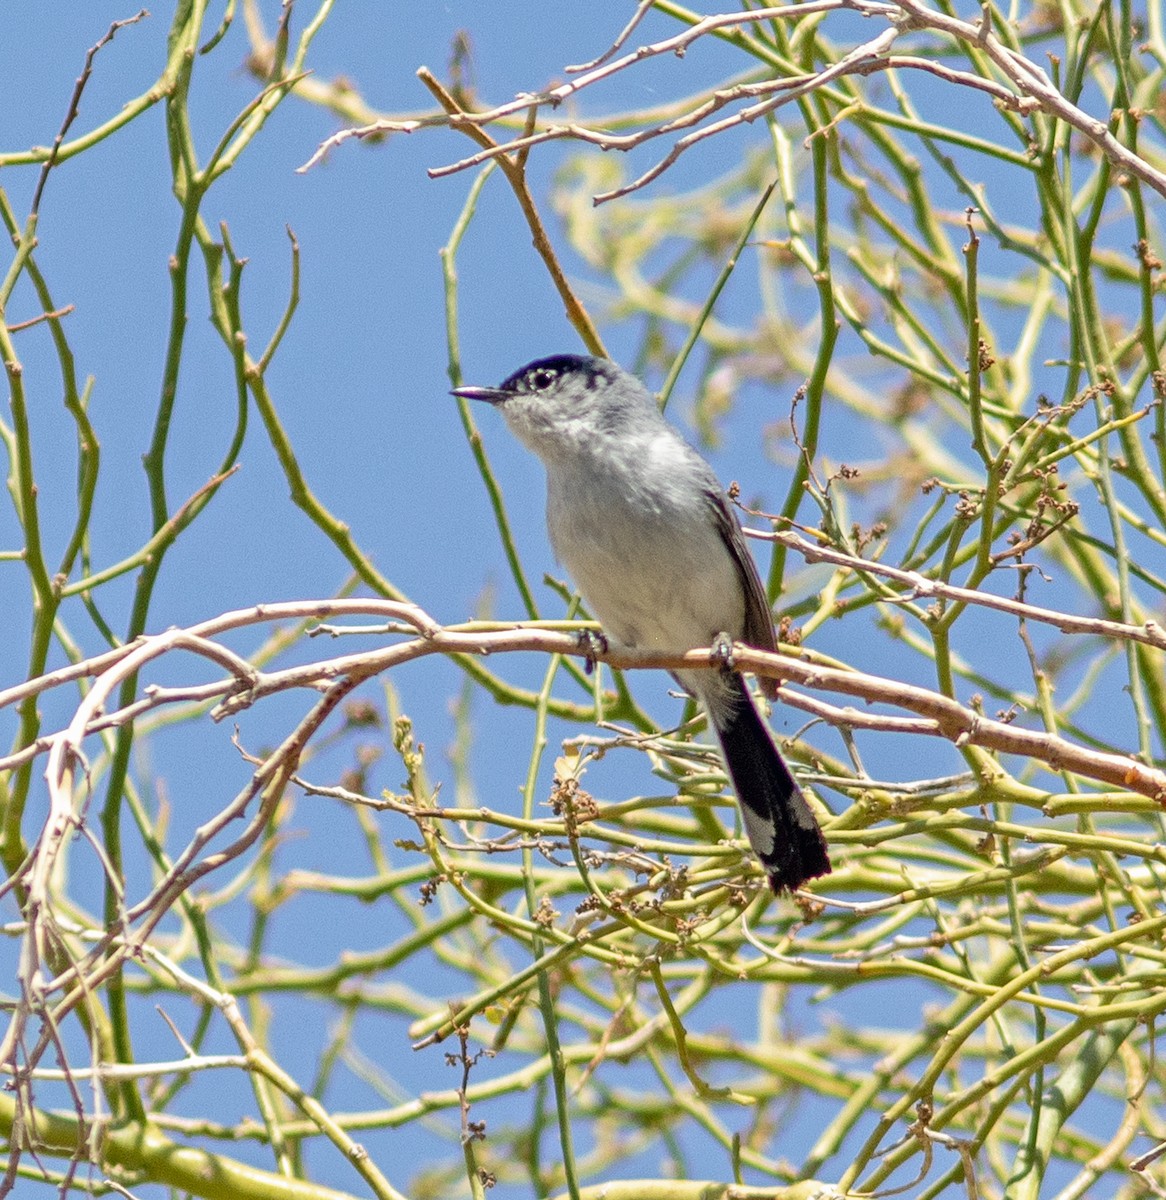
591 645
721 652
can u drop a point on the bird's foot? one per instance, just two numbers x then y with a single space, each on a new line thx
721 652
592 644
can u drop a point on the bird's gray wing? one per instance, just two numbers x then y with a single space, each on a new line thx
758 631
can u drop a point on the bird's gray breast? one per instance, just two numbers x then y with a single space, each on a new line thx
636 532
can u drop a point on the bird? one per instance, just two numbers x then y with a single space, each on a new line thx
649 537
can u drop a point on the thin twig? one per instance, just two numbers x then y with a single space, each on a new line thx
75 103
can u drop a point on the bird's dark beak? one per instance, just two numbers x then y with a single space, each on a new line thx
491 395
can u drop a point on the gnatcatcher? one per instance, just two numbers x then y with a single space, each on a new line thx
640 521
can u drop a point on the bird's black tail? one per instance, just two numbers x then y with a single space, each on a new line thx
780 825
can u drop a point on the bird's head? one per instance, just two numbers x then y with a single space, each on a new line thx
564 403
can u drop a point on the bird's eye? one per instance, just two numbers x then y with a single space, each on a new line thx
542 379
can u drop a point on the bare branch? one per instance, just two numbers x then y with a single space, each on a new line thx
642 10
1031 81
1149 634
75 102
1028 89
245 687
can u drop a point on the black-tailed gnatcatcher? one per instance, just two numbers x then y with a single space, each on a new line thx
640 521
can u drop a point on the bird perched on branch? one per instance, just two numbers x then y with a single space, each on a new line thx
647 533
